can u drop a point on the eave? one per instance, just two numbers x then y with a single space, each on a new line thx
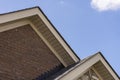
96 62
44 28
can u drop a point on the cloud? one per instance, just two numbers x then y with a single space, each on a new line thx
105 5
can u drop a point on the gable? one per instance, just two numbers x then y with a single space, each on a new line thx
31 47
43 27
24 55
93 67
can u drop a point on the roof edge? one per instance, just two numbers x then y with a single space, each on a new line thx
37 7
19 10
109 64
58 32
84 61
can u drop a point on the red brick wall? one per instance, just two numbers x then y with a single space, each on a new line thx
23 55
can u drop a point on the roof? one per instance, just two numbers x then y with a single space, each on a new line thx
98 61
55 49
44 28
48 21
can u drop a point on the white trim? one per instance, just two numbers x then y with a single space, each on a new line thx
18 15
12 25
58 37
109 68
78 70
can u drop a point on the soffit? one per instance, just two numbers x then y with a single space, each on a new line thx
48 35
102 71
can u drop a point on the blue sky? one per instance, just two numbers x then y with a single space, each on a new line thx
89 26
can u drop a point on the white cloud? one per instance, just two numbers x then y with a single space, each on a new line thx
104 5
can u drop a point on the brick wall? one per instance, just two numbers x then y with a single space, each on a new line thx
23 55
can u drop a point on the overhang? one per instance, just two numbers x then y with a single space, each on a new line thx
98 62
44 28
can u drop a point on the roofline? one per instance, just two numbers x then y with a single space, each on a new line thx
74 67
109 65
19 10
58 32
49 22
90 57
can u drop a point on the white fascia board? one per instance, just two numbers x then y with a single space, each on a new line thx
51 28
18 15
13 25
109 69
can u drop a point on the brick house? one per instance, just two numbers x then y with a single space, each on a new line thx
32 49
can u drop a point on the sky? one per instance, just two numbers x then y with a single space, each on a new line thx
88 26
